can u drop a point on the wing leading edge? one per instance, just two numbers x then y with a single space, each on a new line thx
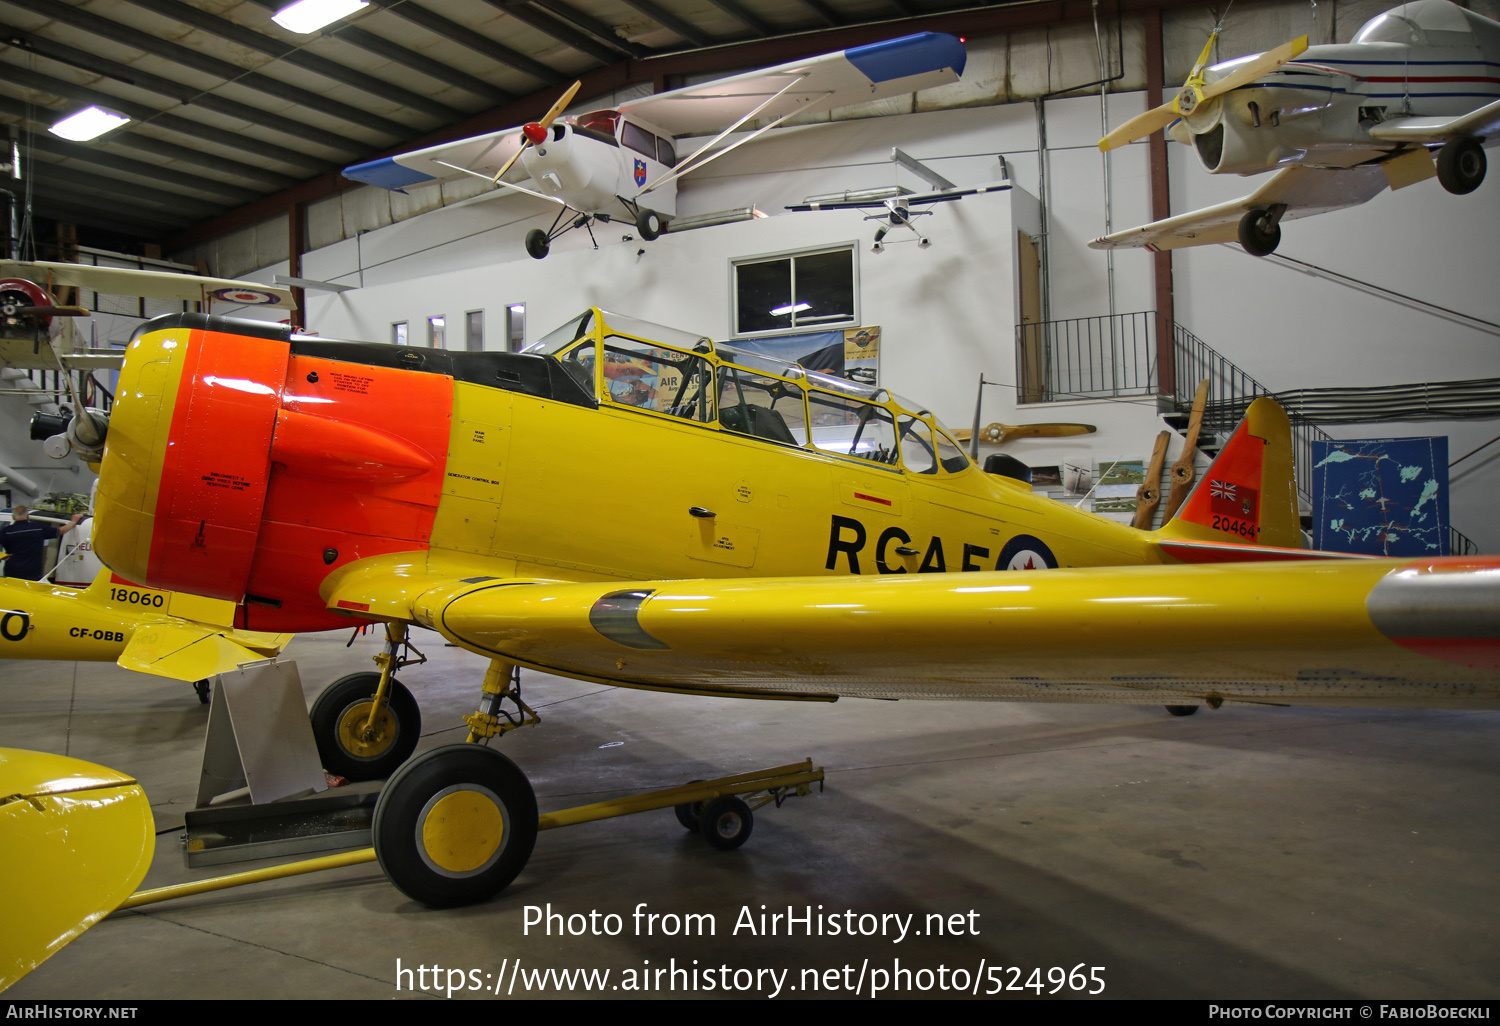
1304 190
1366 632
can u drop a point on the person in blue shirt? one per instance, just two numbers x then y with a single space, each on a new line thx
25 543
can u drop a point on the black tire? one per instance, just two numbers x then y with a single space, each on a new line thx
649 224
726 822
537 243
455 825
343 706
201 688
689 814
1461 165
1182 710
1259 238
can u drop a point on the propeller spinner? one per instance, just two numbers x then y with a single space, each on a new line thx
536 131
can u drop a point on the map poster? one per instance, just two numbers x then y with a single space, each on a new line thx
1381 496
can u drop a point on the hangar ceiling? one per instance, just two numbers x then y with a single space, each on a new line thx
233 115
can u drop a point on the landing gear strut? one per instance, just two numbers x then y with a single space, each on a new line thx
367 724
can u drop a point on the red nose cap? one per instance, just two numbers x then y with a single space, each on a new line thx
535 132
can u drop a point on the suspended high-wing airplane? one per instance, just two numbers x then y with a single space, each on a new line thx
623 163
635 505
1341 122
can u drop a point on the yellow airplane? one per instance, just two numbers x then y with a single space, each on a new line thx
78 840
186 637
634 505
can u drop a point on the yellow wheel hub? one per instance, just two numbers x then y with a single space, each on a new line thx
462 831
362 743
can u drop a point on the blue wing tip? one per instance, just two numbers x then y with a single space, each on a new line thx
910 55
386 173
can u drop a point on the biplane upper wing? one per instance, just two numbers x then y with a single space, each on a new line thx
1377 632
149 284
1304 191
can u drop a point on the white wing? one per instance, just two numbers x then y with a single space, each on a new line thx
1483 123
483 154
860 73
1304 190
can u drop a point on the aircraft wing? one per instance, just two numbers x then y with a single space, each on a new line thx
1372 632
1304 190
188 651
481 154
850 76
131 281
1483 123
910 200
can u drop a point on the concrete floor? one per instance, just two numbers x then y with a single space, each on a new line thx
1248 852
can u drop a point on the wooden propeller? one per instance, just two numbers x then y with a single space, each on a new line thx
1148 495
544 124
999 434
1184 472
1197 91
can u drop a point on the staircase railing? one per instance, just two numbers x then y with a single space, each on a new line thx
1119 356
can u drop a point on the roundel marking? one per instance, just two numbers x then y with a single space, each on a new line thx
1023 552
249 297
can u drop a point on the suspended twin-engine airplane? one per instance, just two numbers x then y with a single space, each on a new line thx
781 534
622 163
1341 122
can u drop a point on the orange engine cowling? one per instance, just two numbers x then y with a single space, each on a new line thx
241 468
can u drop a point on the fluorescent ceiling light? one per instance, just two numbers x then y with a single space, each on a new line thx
89 123
310 15
790 309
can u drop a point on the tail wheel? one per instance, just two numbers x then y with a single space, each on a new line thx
1461 165
455 825
348 744
726 822
537 243
1182 710
649 224
1258 235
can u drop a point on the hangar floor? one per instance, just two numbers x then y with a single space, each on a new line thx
1248 852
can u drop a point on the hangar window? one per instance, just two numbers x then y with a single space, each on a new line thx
799 290
398 333
852 428
650 377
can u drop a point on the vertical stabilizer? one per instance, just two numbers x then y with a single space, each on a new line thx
1248 495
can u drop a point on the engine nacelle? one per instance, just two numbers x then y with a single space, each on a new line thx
222 444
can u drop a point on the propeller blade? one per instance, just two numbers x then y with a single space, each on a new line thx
1252 70
1140 126
1184 471
567 98
546 122
1148 495
999 434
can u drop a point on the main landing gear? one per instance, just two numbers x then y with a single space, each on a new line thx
456 825
367 724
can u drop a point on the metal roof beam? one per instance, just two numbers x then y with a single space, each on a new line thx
188 57
47 143
64 204
745 18
822 10
457 33
286 52
182 93
171 201
667 19
561 31
161 148
593 26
